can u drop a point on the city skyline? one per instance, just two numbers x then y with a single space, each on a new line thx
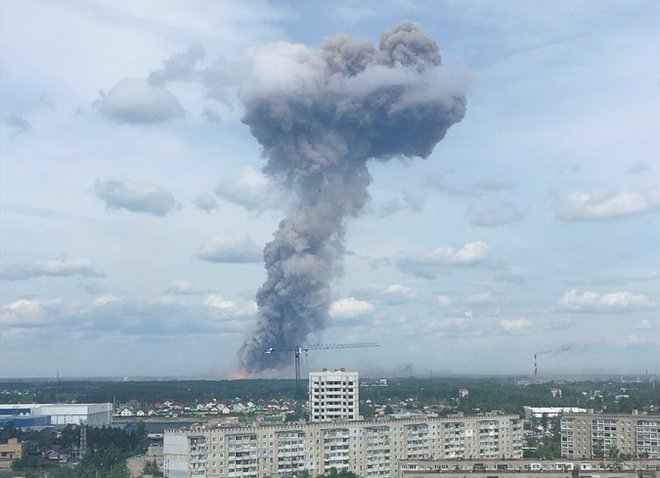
134 213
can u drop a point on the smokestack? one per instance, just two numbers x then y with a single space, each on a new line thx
555 352
319 116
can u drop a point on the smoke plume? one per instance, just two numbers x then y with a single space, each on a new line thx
559 350
319 116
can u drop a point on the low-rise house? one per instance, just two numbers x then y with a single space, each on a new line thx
57 455
10 451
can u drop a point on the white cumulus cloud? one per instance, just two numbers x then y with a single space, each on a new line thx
594 206
135 197
60 267
206 202
229 307
427 265
137 101
106 299
396 294
251 190
470 253
515 325
179 67
26 313
236 248
614 302
350 307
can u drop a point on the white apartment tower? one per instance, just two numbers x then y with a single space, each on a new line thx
333 395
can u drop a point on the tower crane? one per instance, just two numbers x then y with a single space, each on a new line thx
298 349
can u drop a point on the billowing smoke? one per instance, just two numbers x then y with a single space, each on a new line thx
320 115
559 350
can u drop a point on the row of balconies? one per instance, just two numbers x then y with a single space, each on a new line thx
383 461
291 467
344 391
242 461
290 454
292 459
243 446
378 447
290 444
241 437
330 440
335 448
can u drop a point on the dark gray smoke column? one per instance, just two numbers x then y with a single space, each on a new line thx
319 116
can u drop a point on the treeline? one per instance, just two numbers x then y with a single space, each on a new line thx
144 391
508 396
485 394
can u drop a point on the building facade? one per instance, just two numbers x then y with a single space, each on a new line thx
589 435
10 451
532 413
527 468
367 448
59 414
333 395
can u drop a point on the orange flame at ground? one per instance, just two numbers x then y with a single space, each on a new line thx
240 374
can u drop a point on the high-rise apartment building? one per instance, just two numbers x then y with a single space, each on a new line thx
333 395
370 448
589 435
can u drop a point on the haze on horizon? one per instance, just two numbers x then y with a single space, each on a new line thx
133 209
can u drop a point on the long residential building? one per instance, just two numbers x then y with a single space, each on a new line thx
528 468
367 448
593 435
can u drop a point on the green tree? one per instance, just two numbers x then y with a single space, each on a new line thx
9 431
575 472
334 473
150 468
544 421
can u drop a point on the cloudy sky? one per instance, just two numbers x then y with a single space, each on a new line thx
133 210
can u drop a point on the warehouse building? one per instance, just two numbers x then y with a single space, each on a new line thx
56 414
532 413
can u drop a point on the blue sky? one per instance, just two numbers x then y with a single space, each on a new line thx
133 211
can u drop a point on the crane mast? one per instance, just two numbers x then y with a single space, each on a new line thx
298 349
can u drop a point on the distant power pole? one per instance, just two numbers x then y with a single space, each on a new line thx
83 441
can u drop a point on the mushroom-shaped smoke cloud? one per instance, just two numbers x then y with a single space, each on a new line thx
320 115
